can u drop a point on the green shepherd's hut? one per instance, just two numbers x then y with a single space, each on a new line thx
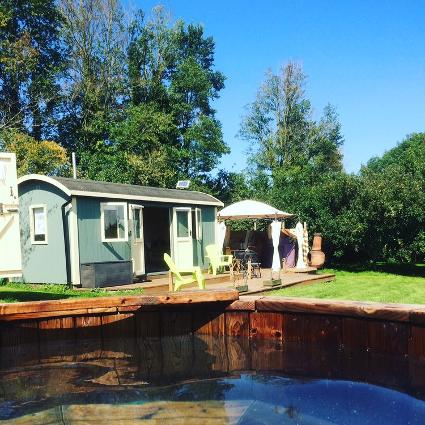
97 234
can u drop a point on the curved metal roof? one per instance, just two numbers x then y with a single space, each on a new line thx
97 189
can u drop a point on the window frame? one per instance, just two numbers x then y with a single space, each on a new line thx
197 224
32 224
105 206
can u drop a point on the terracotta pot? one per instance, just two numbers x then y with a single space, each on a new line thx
317 259
317 242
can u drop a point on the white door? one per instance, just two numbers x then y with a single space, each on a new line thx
137 242
182 236
10 245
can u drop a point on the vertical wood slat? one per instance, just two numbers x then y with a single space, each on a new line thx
148 336
88 334
208 322
57 339
354 334
177 355
176 322
148 324
267 354
416 346
237 324
265 325
388 337
312 328
19 343
119 335
118 325
211 354
238 353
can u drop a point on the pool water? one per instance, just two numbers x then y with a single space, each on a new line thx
205 380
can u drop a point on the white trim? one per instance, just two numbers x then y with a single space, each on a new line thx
189 222
11 273
198 224
31 209
45 179
182 239
134 240
143 198
103 206
215 226
133 207
73 243
171 222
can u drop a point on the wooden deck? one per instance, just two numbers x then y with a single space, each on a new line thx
159 285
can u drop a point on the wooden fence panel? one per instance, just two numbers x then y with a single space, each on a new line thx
264 325
237 324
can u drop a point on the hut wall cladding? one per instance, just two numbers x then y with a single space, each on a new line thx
31 327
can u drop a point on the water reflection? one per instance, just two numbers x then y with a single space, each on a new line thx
206 378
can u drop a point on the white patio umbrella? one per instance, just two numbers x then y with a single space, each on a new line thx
250 209
276 226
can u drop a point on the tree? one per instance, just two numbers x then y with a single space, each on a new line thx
172 68
34 156
392 201
151 54
31 64
139 154
229 186
96 33
326 140
277 123
194 84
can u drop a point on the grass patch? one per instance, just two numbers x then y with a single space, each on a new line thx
16 292
380 283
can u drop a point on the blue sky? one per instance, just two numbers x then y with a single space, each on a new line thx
367 58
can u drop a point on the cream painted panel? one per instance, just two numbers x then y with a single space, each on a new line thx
10 246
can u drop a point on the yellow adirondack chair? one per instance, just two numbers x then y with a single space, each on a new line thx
217 260
195 275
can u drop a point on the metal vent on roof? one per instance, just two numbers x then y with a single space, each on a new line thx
183 184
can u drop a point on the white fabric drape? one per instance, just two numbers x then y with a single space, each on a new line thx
305 244
275 226
299 230
221 235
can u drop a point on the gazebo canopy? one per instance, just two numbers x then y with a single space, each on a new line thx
250 209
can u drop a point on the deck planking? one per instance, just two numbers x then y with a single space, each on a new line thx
159 285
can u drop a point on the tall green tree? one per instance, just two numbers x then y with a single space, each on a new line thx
97 36
277 123
289 151
31 64
171 67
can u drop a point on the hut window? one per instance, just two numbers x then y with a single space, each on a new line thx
114 221
197 223
38 224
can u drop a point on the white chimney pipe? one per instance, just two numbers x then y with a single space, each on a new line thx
74 165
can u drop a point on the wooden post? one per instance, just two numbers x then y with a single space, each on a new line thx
170 281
